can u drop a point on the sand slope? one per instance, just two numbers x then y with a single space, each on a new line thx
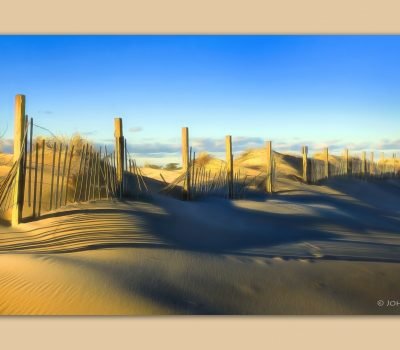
157 281
331 249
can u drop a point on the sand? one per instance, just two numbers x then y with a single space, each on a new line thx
145 281
327 249
336 255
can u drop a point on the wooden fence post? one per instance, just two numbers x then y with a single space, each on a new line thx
394 164
87 172
126 155
41 178
53 163
372 165
34 213
63 175
25 152
68 174
58 175
364 163
124 166
306 170
30 162
346 162
89 175
19 134
81 175
185 162
229 164
119 152
326 160
269 185
382 161
106 171
98 173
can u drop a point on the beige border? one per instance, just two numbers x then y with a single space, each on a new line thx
206 16
210 16
199 333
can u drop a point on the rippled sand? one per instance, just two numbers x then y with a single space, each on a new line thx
314 250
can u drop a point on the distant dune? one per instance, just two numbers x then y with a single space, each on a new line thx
250 162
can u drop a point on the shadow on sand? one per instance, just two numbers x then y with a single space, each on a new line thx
215 225
211 226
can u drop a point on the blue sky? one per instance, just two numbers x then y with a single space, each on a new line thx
317 90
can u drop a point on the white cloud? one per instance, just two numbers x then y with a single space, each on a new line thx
135 129
171 150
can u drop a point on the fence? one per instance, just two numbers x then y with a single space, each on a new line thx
46 174
198 181
356 166
233 181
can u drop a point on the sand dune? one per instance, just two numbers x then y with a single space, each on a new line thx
145 281
165 256
327 249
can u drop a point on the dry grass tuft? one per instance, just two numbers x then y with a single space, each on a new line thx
77 140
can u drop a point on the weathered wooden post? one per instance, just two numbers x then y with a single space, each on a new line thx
87 172
58 175
364 163
346 162
269 184
34 213
372 165
41 178
382 166
19 134
326 160
185 162
52 175
63 175
98 173
68 173
394 164
119 152
306 169
229 165
30 162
